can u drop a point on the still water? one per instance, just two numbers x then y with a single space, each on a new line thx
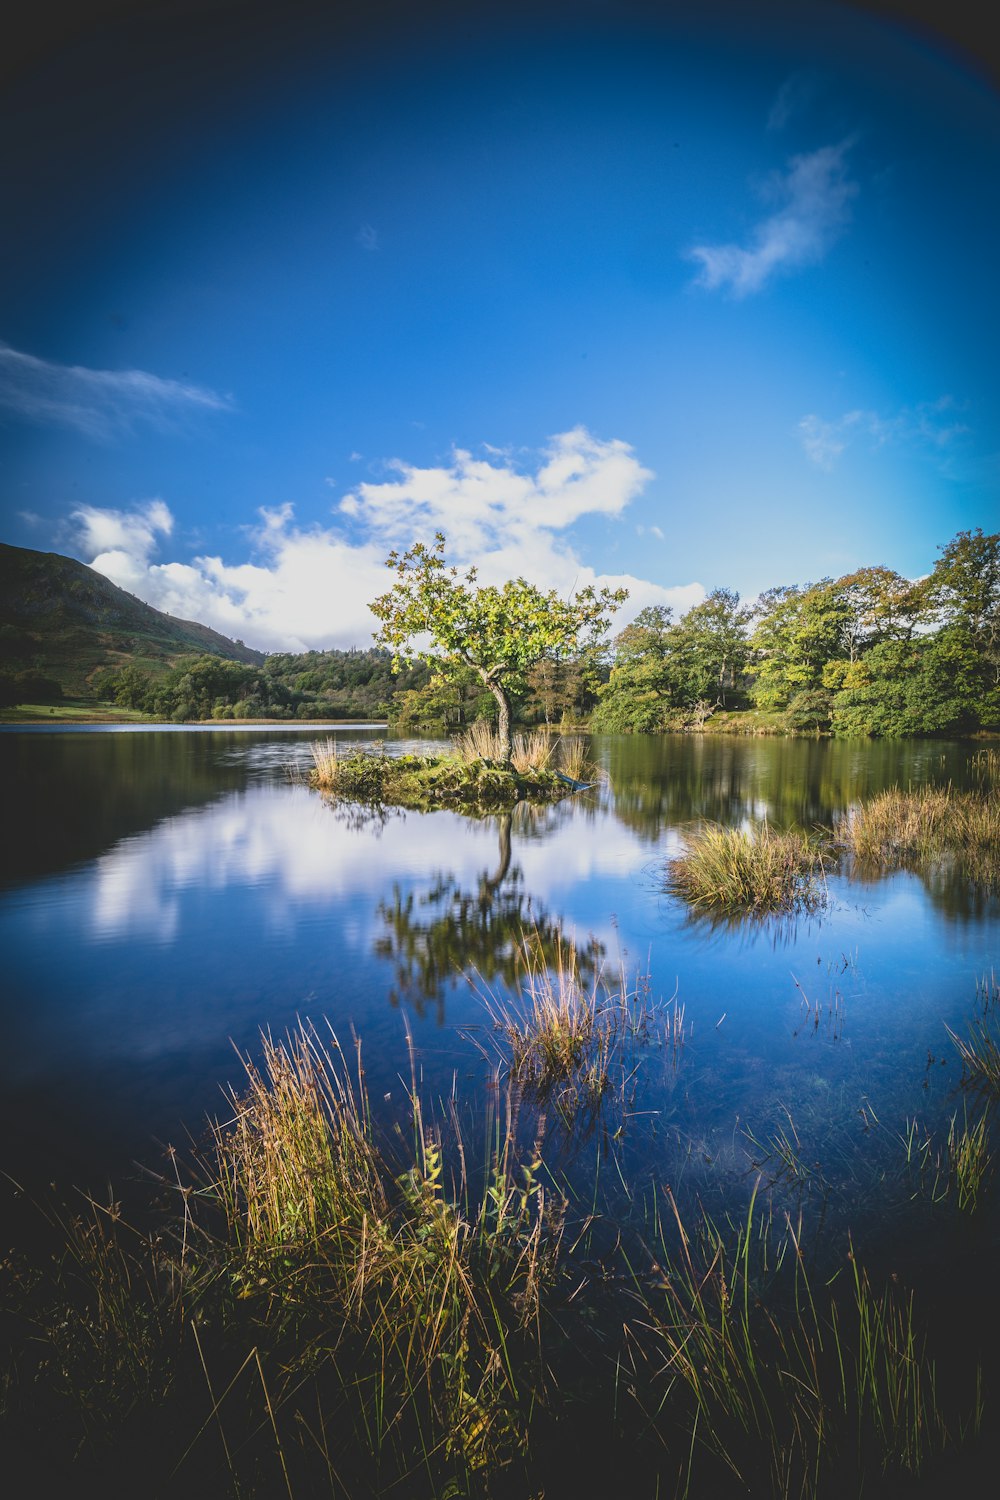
166 895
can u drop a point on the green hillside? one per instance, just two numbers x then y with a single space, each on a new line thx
64 621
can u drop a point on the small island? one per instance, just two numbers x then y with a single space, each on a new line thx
455 625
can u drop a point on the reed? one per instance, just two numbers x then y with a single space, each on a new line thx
924 824
573 759
326 758
980 1053
325 1307
733 871
573 1040
971 1159
319 1299
786 1384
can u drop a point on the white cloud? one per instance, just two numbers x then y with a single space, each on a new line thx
97 403
814 196
309 588
482 505
930 426
119 543
367 237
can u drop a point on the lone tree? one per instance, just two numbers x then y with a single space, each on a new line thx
433 614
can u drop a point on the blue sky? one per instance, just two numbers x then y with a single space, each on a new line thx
673 296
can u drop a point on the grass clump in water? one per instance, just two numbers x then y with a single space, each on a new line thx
569 1039
917 827
733 871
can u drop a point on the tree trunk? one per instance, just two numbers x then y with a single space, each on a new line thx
503 722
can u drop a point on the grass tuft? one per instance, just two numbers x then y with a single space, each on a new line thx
918 826
760 872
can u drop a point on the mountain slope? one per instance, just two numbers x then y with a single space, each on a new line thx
59 617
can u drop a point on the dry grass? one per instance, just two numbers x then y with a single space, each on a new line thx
917 826
531 751
732 871
573 1040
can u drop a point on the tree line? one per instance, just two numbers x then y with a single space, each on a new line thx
307 685
870 653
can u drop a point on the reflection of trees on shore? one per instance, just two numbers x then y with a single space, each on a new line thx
88 791
433 937
950 883
660 781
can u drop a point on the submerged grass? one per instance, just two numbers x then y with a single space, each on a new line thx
573 1040
732 870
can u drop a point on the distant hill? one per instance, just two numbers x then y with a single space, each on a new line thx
60 618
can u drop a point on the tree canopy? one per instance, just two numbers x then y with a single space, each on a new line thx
437 614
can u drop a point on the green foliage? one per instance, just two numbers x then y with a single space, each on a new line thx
798 632
668 673
28 687
809 712
927 685
452 623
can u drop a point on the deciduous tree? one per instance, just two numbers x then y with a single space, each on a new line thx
436 614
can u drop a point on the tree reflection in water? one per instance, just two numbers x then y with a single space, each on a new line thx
434 937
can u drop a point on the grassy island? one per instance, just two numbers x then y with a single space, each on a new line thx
472 777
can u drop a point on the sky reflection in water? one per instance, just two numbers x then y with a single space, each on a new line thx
217 897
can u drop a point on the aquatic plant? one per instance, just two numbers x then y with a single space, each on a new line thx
980 1053
321 1306
970 1157
318 1299
760 871
781 1382
566 1037
924 824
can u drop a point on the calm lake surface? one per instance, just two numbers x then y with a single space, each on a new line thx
168 893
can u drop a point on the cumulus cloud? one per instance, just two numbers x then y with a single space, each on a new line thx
120 543
309 588
97 403
813 198
482 505
931 426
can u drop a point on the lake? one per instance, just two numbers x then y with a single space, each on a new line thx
170 893
170 896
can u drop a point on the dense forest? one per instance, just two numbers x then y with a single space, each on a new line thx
309 685
871 653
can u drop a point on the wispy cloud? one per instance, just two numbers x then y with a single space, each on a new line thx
930 425
310 587
814 195
367 237
98 403
791 99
